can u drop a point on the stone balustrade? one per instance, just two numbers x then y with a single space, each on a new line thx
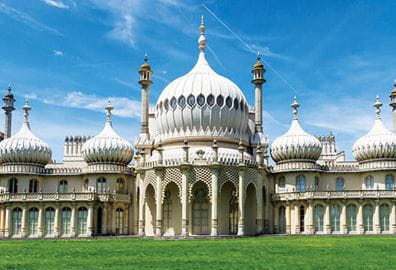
73 196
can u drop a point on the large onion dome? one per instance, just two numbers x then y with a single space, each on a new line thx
202 103
378 143
107 146
24 147
296 144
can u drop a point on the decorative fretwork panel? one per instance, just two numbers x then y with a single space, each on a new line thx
202 174
171 175
228 174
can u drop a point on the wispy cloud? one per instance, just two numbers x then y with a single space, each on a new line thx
56 3
26 19
57 53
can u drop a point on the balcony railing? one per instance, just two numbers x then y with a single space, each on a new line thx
73 196
333 194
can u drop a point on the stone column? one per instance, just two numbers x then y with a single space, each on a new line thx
259 208
7 222
184 201
376 218
359 219
326 219
288 218
309 219
23 222
343 221
141 210
40 221
158 227
393 218
90 220
126 220
296 219
2 221
276 228
57 218
73 221
241 201
215 176
104 219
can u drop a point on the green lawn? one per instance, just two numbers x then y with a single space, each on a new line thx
272 252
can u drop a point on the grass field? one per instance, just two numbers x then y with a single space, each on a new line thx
272 252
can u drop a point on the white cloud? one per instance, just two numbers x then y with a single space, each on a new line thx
57 53
56 3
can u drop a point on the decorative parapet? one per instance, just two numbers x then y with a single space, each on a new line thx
296 166
74 196
332 194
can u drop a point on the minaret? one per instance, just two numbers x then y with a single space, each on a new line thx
258 80
8 107
145 81
393 105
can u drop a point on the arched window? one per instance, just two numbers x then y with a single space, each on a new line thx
50 221
282 219
389 182
101 185
302 218
300 183
282 183
82 217
351 217
340 184
233 212
13 185
120 185
384 217
368 217
220 101
369 182
66 221
63 186
119 220
335 218
191 100
167 211
200 211
33 221
17 221
318 218
33 186
182 102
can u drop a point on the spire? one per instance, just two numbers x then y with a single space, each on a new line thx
202 38
108 108
26 109
295 106
377 105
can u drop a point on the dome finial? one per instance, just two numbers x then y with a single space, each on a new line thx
108 108
258 56
26 108
9 88
295 106
377 105
202 38
145 57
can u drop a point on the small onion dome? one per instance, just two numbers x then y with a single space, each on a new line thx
258 65
296 144
24 147
379 143
145 66
9 94
107 146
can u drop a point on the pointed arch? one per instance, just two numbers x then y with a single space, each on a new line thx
250 209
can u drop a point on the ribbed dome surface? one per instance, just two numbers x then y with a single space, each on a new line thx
24 146
107 146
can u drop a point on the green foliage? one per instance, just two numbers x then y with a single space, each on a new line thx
267 252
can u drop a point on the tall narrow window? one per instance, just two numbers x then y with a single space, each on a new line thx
368 217
120 185
200 212
389 182
384 217
302 218
63 186
82 217
351 218
101 185
66 221
13 185
282 219
335 218
233 212
318 218
119 220
369 182
282 183
340 184
316 183
33 221
50 221
167 211
33 186
86 184
17 221
300 183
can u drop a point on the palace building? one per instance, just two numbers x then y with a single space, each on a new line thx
200 166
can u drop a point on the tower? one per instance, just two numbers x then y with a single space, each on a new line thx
258 80
8 107
145 81
393 105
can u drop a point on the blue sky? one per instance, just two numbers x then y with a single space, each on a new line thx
69 56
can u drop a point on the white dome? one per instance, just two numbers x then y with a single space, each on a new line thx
202 102
296 144
378 143
24 147
107 146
